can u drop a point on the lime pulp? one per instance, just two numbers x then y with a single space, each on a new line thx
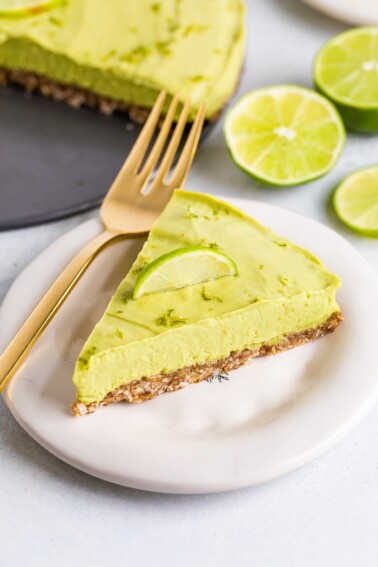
356 201
346 71
284 135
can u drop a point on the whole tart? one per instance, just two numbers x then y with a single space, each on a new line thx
119 55
281 297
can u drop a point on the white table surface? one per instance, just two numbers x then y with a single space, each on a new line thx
323 515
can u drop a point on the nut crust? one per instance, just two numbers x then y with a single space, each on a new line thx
75 96
147 388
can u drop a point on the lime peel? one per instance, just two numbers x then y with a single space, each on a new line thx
183 267
20 8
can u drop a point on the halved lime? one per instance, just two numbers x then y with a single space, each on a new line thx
17 8
356 201
346 70
284 135
181 268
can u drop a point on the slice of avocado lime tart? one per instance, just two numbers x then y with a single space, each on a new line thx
210 290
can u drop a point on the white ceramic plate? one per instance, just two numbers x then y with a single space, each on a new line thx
267 419
360 12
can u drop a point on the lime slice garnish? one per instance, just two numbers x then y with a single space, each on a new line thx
356 201
346 70
26 7
284 135
181 268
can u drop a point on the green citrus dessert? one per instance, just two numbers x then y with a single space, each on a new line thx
121 55
239 291
346 71
284 135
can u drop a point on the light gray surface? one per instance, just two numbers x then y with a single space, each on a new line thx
324 515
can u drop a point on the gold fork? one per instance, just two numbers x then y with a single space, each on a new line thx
127 210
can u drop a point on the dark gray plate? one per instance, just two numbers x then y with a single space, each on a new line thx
55 160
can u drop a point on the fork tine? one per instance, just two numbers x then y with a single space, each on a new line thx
155 153
173 145
136 155
181 171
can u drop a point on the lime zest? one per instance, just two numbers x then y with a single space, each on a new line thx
170 319
207 297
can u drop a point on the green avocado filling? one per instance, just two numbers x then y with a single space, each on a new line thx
129 50
280 289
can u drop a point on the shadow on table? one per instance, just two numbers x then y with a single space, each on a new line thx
61 476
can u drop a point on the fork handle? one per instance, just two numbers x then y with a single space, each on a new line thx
38 320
